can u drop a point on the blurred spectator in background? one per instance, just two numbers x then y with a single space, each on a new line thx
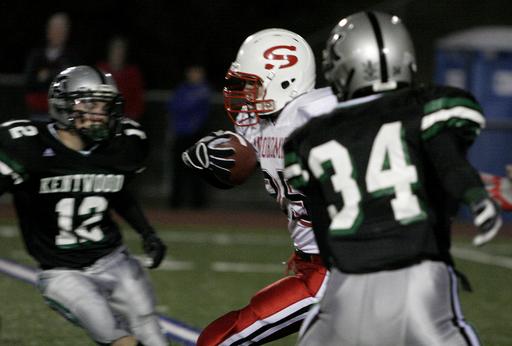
188 109
127 77
45 62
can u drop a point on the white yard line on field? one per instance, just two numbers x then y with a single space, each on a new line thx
481 257
240 267
218 238
9 231
21 272
194 237
171 265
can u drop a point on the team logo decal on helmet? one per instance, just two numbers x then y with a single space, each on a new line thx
270 55
370 71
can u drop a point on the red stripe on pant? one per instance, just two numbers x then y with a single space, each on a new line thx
271 300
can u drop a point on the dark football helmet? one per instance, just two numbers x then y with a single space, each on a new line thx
85 84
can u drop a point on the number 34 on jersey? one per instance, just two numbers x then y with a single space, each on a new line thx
389 172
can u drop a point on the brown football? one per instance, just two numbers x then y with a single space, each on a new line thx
245 159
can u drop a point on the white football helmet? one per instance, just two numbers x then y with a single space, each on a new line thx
272 67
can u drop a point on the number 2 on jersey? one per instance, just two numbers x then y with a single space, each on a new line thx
388 172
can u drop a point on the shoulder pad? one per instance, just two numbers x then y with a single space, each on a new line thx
17 129
132 128
450 108
127 122
315 103
16 122
15 145
130 146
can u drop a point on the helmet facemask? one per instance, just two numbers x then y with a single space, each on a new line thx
97 131
244 93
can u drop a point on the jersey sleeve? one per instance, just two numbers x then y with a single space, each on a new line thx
298 175
134 146
456 173
11 172
316 103
453 110
125 204
295 171
12 137
451 121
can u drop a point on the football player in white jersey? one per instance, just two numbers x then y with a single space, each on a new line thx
268 94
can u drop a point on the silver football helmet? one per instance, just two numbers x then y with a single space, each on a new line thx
85 84
368 52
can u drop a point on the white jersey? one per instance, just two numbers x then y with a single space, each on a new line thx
268 138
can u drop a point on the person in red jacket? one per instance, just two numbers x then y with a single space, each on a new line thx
127 76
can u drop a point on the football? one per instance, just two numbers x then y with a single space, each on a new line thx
245 159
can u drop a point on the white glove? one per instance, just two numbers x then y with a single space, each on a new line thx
487 218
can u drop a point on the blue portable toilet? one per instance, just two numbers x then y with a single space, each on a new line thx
480 61
453 67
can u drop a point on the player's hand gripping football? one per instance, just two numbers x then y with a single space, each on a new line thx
206 154
487 218
155 250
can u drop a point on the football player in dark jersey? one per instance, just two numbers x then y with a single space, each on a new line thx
66 177
384 173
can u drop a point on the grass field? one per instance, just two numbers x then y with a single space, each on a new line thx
211 270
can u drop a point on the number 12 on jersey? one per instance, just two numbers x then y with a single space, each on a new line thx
91 207
388 172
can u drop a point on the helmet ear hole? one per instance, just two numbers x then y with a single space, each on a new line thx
334 54
285 84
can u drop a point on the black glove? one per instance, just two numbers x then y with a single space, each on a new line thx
486 216
155 250
204 155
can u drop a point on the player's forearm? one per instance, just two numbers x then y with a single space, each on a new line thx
130 210
457 175
464 184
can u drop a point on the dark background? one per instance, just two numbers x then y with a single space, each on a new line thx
167 35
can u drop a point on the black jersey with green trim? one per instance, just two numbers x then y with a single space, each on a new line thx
377 193
63 198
